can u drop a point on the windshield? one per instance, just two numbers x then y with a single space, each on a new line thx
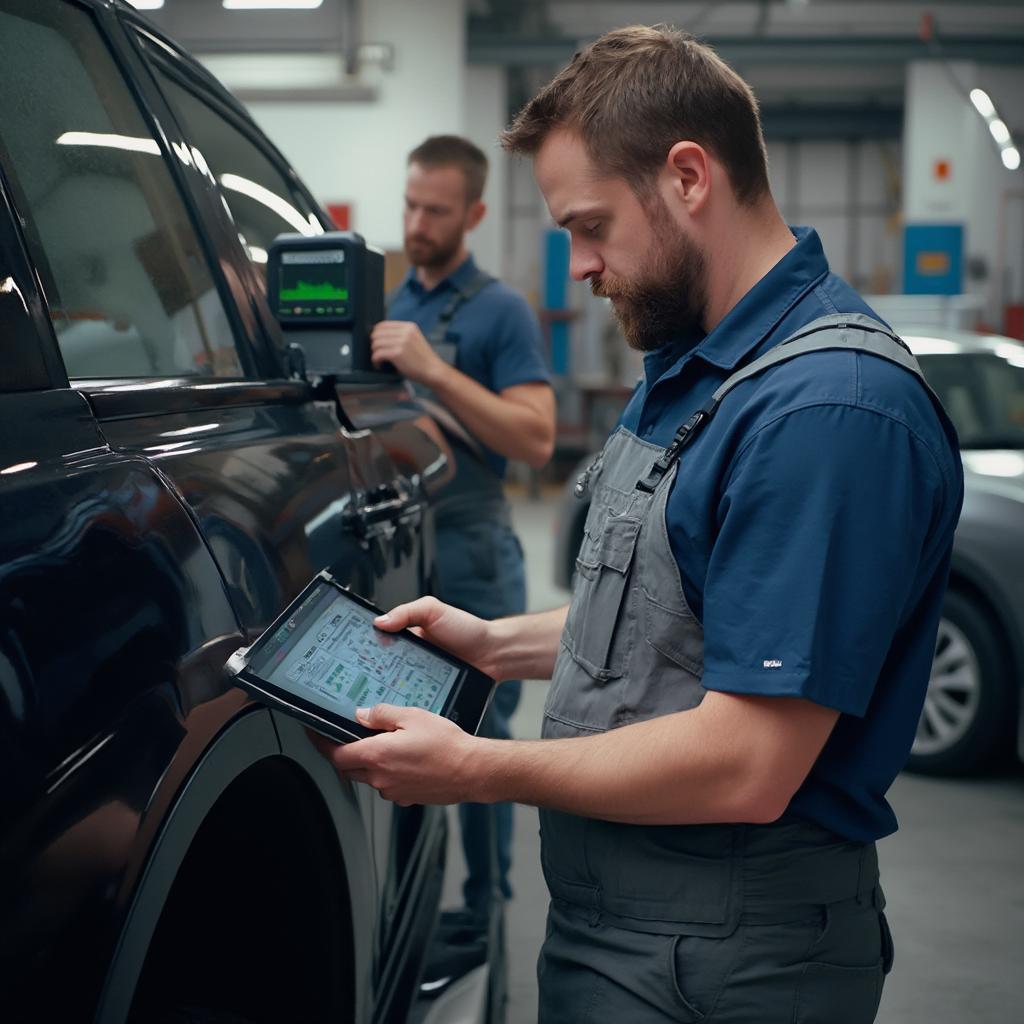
983 394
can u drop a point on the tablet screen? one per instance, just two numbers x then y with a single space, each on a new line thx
329 653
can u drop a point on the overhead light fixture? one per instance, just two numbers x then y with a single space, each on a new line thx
999 130
983 103
146 5
1008 152
271 5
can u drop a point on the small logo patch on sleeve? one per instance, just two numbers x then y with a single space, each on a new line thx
772 663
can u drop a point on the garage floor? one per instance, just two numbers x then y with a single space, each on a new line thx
953 874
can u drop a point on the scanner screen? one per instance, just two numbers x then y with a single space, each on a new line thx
314 284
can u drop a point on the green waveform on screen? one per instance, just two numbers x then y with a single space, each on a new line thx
321 292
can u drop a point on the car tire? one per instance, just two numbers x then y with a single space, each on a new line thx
969 715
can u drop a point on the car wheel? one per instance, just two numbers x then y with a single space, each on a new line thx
968 717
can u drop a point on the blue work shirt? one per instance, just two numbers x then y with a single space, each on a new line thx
812 521
496 335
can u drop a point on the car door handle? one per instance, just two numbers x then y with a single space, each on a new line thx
368 517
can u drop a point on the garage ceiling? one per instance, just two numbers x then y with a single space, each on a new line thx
821 68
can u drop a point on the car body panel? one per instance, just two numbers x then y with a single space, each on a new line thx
113 609
152 526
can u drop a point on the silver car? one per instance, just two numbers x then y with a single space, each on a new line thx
973 714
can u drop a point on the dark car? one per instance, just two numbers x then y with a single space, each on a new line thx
170 850
973 713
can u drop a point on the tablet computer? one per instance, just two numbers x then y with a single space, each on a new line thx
322 658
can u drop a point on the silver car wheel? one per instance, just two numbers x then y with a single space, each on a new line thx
954 689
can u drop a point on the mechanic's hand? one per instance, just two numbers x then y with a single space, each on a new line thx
421 758
464 635
402 344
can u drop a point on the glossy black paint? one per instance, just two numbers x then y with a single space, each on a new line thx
147 529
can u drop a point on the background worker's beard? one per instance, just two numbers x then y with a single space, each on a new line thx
668 296
425 252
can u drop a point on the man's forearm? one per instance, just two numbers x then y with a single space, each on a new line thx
731 759
517 430
525 646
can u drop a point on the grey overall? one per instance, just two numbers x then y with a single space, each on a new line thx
745 924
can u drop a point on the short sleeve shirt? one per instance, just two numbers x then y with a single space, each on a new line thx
496 335
812 522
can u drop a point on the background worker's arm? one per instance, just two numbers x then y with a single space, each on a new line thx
518 422
731 759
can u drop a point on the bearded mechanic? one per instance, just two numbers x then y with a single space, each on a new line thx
738 677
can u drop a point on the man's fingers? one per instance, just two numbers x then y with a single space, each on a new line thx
424 611
387 717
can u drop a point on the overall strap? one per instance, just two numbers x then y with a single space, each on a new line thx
851 331
461 295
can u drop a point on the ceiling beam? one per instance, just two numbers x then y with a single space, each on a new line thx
744 51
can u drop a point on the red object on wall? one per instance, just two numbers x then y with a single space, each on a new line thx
1014 325
341 214
942 170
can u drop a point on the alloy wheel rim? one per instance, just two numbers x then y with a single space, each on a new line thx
954 691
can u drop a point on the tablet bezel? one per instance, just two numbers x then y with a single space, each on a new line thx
466 705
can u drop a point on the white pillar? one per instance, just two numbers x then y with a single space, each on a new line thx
356 151
486 116
952 171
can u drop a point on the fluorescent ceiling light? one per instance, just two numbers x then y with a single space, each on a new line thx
146 5
272 5
272 201
999 130
982 103
129 142
1008 152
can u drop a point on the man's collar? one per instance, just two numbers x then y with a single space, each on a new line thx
458 278
754 317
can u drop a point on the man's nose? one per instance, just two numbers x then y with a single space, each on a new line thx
415 220
584 263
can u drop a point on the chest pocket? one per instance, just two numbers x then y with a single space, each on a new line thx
593 634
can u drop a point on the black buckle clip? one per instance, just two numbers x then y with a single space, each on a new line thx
683 437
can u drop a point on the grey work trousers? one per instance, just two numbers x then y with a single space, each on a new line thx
825 966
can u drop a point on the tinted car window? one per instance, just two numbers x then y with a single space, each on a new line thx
128 287
983 393
256 192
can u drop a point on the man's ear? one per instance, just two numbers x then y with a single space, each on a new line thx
475 214
689 168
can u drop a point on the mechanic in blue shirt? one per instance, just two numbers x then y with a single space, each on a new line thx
472 347
738 677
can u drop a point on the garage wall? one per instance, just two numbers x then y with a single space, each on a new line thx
941 124
355 151
850 193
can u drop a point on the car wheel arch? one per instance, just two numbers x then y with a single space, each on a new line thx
971 726
248 746
974 586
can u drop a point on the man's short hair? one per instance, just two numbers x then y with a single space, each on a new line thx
634 93
454 151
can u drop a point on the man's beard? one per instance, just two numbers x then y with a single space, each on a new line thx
669 295
425 252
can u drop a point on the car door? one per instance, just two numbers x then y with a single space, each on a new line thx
164 333
391 443
113 616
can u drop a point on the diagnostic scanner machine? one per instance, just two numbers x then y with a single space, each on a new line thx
327 292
